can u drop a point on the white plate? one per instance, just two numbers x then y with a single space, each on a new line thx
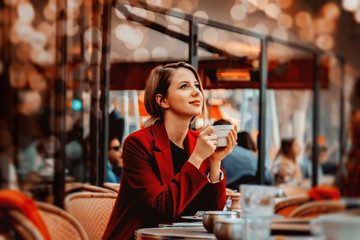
192 218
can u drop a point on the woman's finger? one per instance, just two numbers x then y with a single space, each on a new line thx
207 130
212 137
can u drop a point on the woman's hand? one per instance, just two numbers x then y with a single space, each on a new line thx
221 153
205 146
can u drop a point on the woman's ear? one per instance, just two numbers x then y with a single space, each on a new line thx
161 101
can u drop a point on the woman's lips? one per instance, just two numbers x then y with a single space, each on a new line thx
196 102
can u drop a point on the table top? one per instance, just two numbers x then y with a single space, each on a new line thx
195 232
174 232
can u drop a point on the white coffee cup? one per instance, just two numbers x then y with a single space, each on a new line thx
221 131
337 226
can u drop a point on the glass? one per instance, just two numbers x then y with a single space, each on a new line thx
257 204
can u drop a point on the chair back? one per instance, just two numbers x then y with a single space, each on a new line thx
92 210
285 206
86 187
112 186
314 209
22 226
61 225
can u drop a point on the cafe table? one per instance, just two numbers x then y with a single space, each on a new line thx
196 231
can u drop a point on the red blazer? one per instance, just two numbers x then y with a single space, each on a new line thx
150 193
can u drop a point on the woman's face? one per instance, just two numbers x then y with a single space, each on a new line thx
184 97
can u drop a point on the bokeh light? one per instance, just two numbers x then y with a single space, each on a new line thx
238 12
303 19
150 16
138 12
201 14
285 20
185 5
325 42
76 105
134 38
36 80
175 20
307 34
211 35
141 55
154 2
23 30
330 11
29 102
37 40
285 3
241 49
50 12
159 53
46 28
357 16
72 27
272 10
322 25
261 28
350 5
92 35
160 3
280 33
42 57
262 4
250 6
26 12
73 8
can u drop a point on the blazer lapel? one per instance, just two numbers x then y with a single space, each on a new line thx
190 145
162 153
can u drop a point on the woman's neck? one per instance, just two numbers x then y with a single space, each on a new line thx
176 129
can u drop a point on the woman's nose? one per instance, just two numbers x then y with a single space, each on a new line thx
196 91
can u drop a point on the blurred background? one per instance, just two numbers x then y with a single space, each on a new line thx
66 66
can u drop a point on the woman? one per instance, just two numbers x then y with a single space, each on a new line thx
285 168
169 170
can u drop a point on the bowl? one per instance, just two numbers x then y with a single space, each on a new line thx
210 217
229 229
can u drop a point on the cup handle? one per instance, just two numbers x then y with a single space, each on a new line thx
316 226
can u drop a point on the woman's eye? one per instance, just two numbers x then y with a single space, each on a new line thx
184 86
197 86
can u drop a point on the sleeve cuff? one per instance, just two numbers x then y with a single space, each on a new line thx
221 177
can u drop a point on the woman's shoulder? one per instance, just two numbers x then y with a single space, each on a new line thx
142 135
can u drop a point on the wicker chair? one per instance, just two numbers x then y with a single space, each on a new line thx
86 187
292 191
286 206
22 226
61 225
314 209
92 210
112 186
